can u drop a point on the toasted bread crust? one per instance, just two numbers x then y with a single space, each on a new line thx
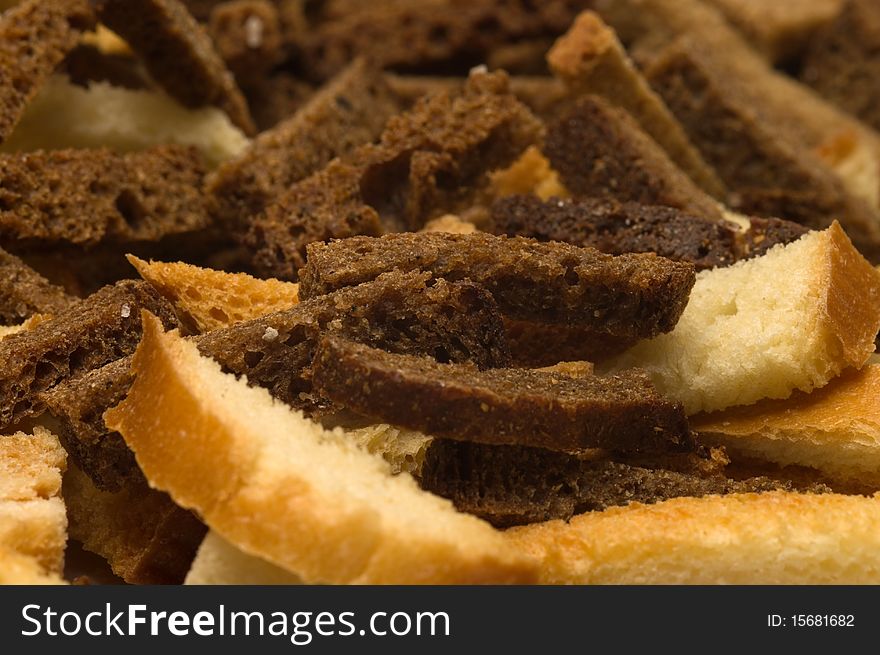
591 59
771 538
835 429
313 526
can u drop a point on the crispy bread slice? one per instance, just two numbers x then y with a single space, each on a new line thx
501 405
178 53
591 59
631 296
206 300
34 38
87 197
432 160
33 522
792 319
24 292
283 488
835 429
599 150
352 109
770 538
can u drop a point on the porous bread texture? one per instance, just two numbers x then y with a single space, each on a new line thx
18 569
855 162
835 429
531 174
64 115
218 562
792 319
769 538
403 449
206 300
33 522
281 487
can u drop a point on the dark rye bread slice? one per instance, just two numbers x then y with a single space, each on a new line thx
512 406
35 36
349 111
627 296
599 150
534 344
615 228
763 168
24 292
99 329
432 160
178 53
398 312
434 36
546 96
86 197
456 322
842 61
79 405
518 485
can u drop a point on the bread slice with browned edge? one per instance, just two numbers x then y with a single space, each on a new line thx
92 332
218 562
352 109
33 522
143 535
792 319
770 538
519 485
617 228
432 160
86 197
631 296
178 53
24 292
34 37
509 406
399 312
281 487
599 150
591 59
835 429
205 299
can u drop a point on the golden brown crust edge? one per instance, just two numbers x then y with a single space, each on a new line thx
254 499
771 538
852 297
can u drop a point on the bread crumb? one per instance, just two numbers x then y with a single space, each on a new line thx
270 334
253 32
126 311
